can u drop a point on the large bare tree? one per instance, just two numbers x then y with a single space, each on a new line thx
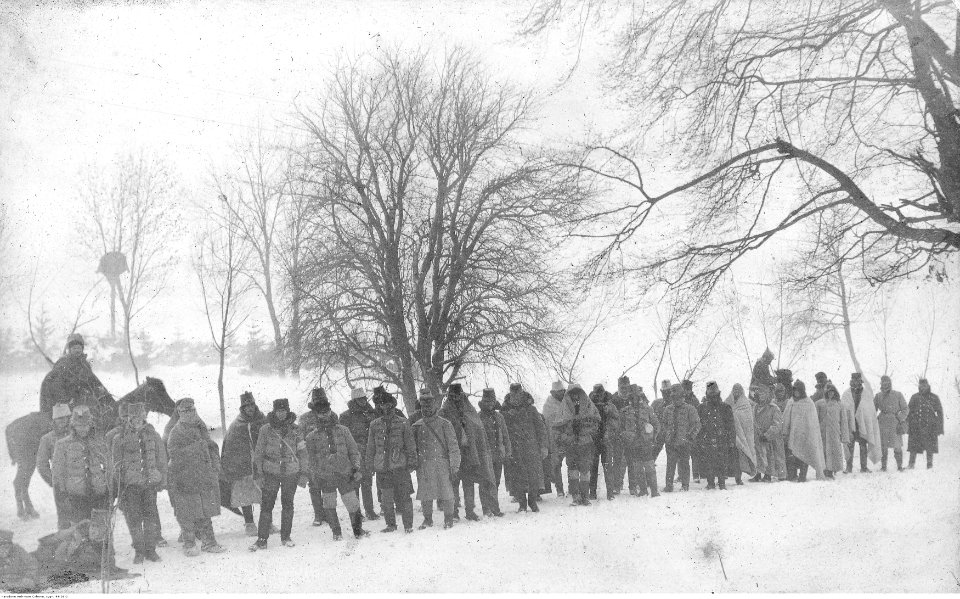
432 220
781 110
255 192
131 211
220 264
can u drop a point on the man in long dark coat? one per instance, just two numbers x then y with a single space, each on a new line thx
528 441
71 381
925 424
476 465
717 437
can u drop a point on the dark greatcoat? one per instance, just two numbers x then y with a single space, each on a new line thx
476 461
238 446
925 423
528 439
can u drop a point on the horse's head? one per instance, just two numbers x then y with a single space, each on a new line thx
153 394
158 400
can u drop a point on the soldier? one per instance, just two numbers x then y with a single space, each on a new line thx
767 426
281 464
308 423
335 466
576 431
61 428
476 462
552 409
392 455
925 424
681 424
18 569
865 431
438 461
892 419
640 428
357 418
528 443
237 459
71 380
605 442
80 467
716 438
138 463
498 439
193 474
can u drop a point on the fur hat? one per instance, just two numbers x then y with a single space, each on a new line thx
74 339
767 355
246 399
856 376
186 403
676 390
557 386
489 393
713 388
665 385
515 387
623 381
386 398
799 386
318 399
598 388
574 387
62 410
81 415
358 393
281 404
821 378
455 389
687 385
136 409
425 396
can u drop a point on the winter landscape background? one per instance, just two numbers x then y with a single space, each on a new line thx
194 90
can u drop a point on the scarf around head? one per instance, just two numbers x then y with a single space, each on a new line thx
743 422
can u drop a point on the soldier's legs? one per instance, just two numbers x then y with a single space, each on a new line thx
898 456
594 470
268 499
63 509
610 469
366 490
316 499
387 504
131 503
288 489
863 454
683 463
557 473
649 477
929 459
620 463
151 519
247 512
672 462
426 508
469 498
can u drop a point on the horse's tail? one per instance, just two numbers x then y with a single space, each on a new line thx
10 443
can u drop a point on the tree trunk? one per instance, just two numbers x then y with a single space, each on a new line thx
223 404
846 320
113 311
133 362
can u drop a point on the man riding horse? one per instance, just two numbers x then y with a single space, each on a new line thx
71 381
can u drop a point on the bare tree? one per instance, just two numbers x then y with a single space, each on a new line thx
824 290
219 266
433 221
130 213
884 306
255 193
852 103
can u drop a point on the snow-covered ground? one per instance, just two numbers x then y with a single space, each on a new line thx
864 532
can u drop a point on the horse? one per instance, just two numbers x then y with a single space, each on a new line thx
23 434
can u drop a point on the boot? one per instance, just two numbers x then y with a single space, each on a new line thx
258 545
191 549
250 529
584 499
448 521
913 460
722 484
287 543
756 478
137 557
883 461
574 488
898 456
533 503
471 515
357 524
522 498
151 555
330 515
766 478
318 517
739 479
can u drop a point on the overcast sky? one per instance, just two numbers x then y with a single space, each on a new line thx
189 80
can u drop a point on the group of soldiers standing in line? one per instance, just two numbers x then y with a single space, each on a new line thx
457 450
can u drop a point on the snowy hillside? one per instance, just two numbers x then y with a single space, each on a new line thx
864 532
